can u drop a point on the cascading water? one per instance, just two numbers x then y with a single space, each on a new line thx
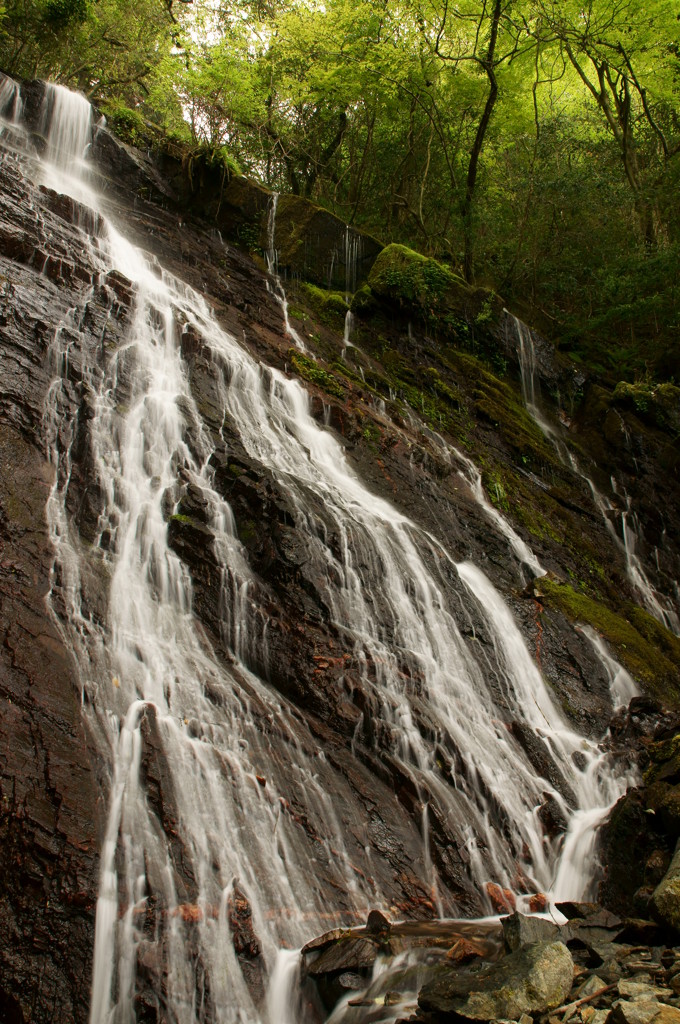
11 106
347 333
234 752
472 477
272 261
353 255
622 686
660 606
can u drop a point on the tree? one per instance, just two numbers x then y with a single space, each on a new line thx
107 49
618 49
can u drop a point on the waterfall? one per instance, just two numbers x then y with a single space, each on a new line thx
621 684
11 105
271 256
240 768
347 334
470 474
353 256
660 606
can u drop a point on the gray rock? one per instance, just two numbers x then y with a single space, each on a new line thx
642 1011
536 978
593 984
352 982
637 989
573 908
519 930
665 901
352 954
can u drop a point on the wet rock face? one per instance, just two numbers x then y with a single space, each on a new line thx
53 799
640 837
49 790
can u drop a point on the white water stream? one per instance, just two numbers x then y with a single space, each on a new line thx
233 753
271 256
659 605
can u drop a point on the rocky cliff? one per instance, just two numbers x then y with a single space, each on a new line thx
421 386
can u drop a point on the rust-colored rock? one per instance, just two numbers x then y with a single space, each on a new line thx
502 900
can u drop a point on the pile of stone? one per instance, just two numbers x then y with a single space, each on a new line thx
594 969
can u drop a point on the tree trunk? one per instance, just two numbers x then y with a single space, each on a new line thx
467 206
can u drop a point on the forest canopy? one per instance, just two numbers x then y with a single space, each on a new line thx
533 145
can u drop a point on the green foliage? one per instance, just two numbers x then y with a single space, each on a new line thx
566 194
126 123
249 236
418 283
60 13
495 488
315 374
658 403
645 647
109 49
328 306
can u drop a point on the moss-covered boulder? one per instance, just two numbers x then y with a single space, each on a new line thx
664 800
656 403
328 307
363 301
665 902
429 289
536 978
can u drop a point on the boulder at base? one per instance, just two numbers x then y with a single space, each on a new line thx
519 930
536 978
665 900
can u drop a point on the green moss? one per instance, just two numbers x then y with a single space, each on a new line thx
658 403
329 307
495 488
177 517
496 402
315 374
429 289
126 123
652 630
664 766
363 301
500 404
539 514
405 275
452 396
247 531
658 672
424 390
297 313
